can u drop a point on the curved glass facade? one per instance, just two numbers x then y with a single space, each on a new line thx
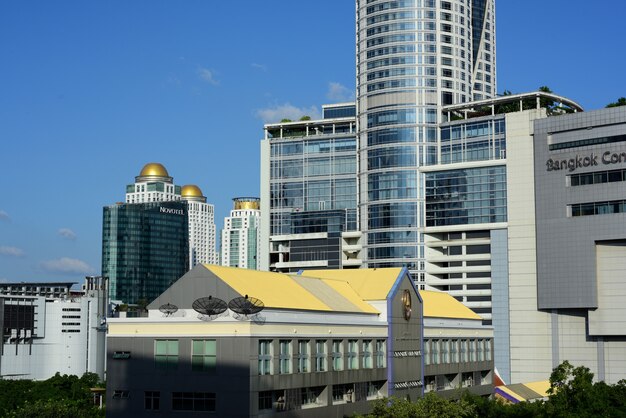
413 57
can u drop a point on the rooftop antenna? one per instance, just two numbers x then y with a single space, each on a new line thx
209 308
246 307
168 309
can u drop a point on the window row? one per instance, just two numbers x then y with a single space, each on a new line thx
598 208
610 176
203 355
180 401
450 351
305 356
311 397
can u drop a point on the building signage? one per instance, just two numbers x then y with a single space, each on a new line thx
409 353
580 161
408 385
171 211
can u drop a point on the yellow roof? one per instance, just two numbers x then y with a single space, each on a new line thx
276 290
442 305
369 284
540 387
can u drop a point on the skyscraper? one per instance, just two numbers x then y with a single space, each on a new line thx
240 236
413 57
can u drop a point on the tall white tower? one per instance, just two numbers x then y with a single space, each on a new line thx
413 57
201 226
241 233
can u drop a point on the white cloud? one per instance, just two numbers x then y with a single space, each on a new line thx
261 67
340 93
11 251
67 233
4 216
208 76
67 265
3 280
286 111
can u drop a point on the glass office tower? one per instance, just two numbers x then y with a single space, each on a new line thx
413 57
145 248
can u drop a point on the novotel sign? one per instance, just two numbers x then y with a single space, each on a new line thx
580 161
171 211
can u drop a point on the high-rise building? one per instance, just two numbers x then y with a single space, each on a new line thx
309 192
145 248
240 236
154 184
202 234
413 57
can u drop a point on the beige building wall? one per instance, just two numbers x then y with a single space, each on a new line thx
531 330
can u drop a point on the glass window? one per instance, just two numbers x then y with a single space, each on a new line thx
203 355
320 355
337 355
285 357
367 354
265 357
193 401
303 356
381 353
353 354
166 354
152 400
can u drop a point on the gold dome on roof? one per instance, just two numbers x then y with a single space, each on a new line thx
153 170
191 190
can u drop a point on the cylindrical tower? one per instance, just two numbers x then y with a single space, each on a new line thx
413 57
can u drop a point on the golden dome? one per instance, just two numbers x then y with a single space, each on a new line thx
191 190
153 170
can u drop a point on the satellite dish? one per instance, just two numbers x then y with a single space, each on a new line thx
246 305
209 306
168 309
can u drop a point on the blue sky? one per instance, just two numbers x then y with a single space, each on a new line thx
91 91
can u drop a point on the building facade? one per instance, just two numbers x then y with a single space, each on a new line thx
326 343
413 57
145 248
309 192
241 234
49 329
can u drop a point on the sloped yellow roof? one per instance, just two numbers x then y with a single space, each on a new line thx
348 292
442 305
276 290
369 284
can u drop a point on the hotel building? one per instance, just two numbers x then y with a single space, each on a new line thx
138 236
241 233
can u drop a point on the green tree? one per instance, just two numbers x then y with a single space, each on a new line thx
305 117
285 120
430 406
620 102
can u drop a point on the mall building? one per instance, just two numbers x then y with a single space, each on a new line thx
523 225
316 343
